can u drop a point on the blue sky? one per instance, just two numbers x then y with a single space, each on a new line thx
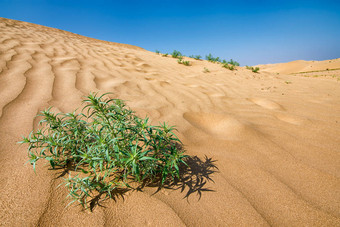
251 32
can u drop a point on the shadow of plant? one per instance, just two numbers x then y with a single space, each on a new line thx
193 177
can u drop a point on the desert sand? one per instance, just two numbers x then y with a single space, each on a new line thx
274 136
328 67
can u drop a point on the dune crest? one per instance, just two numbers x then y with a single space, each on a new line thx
274 138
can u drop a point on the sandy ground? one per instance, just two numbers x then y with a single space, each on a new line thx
275 138
301 66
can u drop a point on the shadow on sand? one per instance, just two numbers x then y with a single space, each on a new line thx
192 180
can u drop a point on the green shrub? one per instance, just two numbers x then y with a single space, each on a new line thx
105 147
254 70
157 51
234 63
212 59
198 57
227 66
186 63
176 54
165 55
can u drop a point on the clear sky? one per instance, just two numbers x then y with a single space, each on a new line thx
251 32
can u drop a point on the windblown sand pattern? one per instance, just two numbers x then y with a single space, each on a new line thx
276 144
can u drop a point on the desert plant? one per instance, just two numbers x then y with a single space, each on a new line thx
234 63
198 57
254 70
212 59
228 66
105 147
206 70
157 51
165 55
176 54
186 63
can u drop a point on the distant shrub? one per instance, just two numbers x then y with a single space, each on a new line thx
234 63
165 55
206 70
186 63
104 148
176 54
254 70
228 66
212 59
198 57
157 51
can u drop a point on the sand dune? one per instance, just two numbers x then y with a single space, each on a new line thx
274 138
302 66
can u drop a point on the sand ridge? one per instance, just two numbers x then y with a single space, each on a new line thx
276 144
301 66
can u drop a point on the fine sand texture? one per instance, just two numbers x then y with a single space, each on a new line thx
274 136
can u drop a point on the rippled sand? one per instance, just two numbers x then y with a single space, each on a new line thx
275 138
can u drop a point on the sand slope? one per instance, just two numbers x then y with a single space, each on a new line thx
275 138
301 66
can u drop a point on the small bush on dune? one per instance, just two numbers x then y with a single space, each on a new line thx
186 63
206 70
196 57
228 66
176 54
212 59
234 63
254 70
165 55
104 148
157 51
